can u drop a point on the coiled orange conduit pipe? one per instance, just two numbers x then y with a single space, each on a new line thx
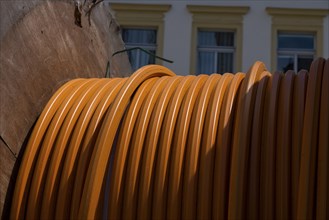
157 145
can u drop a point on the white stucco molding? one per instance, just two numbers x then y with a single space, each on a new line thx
143 16
217 18
299 21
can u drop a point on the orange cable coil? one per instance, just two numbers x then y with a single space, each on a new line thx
160 146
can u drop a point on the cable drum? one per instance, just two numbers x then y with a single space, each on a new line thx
160 146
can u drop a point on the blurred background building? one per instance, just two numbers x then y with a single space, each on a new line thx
224 36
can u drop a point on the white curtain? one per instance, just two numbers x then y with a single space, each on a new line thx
206 62
225 62
139 36
211 55
144 38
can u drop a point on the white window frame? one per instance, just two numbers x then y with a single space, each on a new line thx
296 20
295 52
217 18
217 49
149 47
143 16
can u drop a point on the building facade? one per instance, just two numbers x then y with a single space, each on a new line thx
224 36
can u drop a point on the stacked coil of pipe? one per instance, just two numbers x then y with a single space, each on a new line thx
160 146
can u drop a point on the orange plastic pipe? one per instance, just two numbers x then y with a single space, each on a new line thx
120 157
160 146
164 189
75 149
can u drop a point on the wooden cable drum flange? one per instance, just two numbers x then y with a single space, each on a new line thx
160 146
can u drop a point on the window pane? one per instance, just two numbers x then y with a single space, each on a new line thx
224 62
146 59
304 62
213 38
151 58
133 59
144 38
206 62
139 36
285 62
294 41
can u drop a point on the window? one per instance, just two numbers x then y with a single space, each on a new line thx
297 37
295 51
144 38
142 26
215 51
216 38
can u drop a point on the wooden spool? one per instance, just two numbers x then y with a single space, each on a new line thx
41 49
